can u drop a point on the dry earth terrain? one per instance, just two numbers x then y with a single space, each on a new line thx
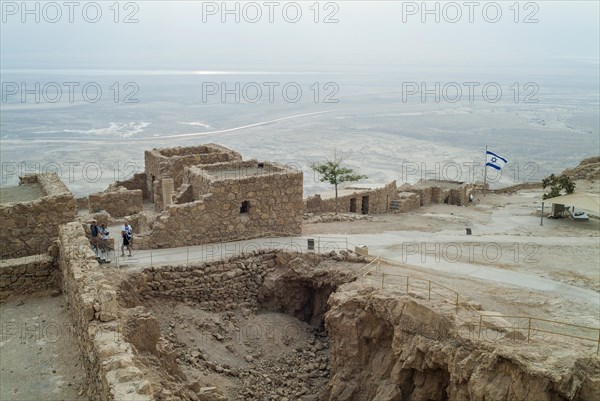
510 265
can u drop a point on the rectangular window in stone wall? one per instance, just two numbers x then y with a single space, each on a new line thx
245 208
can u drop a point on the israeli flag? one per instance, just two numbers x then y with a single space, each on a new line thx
494 161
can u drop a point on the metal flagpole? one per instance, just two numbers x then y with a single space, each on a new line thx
485 170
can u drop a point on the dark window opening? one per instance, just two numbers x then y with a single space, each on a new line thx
245 207
261 165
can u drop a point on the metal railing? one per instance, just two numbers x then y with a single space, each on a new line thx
409 284
369 272
225 250
328 244
417 286
532 327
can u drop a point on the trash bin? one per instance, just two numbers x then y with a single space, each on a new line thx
361 249
468 231
311 244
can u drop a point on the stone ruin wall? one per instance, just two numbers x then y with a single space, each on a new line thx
125 357
517 187
171 162
213 178
195 184
275 209
215 286
29 228
120 199
436 194
113 371
118 203
82 203
406 202
425 195
28 274
379 201
138 181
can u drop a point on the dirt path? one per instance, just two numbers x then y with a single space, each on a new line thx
510 263
38 354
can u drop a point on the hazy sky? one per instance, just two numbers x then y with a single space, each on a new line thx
191 35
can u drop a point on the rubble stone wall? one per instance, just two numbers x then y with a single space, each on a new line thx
406 201
118 203
112 368
216 286
425 195
275 208
82 203
138 181
438 194
516 188
29 228
171 162
28 274
379 201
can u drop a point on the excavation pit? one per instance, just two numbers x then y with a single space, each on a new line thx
250 328
243 354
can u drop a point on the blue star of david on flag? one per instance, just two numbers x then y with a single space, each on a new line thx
494 161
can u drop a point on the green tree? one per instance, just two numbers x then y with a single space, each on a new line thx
557 184
333 172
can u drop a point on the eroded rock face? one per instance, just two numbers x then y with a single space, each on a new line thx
379 351
588 169
300 287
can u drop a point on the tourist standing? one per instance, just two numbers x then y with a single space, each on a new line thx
127 235
94 230
104 248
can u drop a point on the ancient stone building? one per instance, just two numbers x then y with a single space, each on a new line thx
171 162
405 202
118 202
31 213
355 200
230 201
441 191
205 194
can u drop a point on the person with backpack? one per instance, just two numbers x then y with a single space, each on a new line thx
94 230
127 235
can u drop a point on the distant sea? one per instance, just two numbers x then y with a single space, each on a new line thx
541 122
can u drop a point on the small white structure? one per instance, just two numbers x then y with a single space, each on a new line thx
579 200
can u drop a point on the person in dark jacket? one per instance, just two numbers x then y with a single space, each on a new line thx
94 230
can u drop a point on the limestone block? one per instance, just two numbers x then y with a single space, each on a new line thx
109 308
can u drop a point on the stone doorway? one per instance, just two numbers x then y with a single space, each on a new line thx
365 205
353 205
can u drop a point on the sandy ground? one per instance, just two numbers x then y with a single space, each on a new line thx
511 264
266 355
38 354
